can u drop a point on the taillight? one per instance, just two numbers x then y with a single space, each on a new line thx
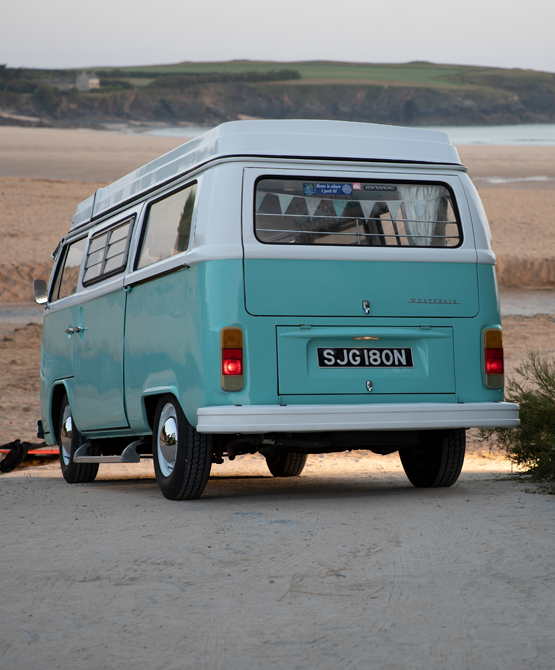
494 369
231 359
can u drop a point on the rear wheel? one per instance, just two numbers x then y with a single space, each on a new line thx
286 465
437 464
182 456
69 440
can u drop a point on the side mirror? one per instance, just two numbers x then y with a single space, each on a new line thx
40 289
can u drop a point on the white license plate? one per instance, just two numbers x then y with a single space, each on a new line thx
363 357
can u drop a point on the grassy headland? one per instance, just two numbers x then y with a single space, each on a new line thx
418 93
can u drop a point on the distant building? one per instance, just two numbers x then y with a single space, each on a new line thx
86 82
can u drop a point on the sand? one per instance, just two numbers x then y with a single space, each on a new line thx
44 173
347 566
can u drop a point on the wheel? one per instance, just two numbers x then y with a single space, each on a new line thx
438 464
286 465
15 456
182 456
69 440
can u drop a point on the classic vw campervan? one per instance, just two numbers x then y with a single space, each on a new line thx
281 287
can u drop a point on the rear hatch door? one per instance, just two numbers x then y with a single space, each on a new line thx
404 245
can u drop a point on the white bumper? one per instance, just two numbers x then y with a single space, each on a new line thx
314 418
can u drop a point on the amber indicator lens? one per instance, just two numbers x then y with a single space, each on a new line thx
493 339
232 361
232 338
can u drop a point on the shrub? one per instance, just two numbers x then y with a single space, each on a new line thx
48 98
532 444
20 86
190 79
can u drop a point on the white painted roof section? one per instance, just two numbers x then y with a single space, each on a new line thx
328 140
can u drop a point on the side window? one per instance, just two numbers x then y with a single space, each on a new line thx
167 226
107 254
67 278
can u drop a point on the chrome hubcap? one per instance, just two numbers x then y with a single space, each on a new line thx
167 440
66 434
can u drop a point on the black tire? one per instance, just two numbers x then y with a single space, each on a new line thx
182 456
69 440
437 464
15 457
286 465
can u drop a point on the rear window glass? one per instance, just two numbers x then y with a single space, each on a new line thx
107 254
168 226
365 213
67 278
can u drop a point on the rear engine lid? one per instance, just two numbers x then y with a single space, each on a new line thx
320 360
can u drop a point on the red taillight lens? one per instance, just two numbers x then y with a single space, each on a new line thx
232 361
493 358
494 362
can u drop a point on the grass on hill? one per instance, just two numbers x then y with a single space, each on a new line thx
410 74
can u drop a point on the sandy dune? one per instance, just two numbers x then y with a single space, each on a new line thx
45 173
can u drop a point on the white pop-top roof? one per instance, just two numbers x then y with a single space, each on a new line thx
326 140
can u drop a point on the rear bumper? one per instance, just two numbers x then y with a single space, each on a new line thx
317 418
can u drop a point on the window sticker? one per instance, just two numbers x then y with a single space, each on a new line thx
379 187
356 186
308 190
324 188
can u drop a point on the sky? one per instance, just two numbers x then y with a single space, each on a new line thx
75 34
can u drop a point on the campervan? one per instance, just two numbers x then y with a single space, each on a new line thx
284 288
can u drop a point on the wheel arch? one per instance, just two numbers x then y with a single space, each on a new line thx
150 402
59 390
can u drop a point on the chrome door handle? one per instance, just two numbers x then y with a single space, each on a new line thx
74 329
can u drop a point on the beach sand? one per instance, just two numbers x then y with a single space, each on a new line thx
45 173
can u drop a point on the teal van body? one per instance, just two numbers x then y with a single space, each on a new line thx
362 320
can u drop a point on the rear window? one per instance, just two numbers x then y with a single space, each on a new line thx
365 213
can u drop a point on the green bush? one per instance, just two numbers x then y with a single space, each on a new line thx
190 79
20 86
532 444
48 98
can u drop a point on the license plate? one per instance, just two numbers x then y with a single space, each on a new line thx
363 357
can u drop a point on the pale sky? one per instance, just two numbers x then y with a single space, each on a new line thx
72 33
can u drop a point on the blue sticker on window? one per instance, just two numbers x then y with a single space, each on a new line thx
308 189
324 188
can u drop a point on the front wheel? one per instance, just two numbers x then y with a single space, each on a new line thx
437 464
69 440
286 465
182 456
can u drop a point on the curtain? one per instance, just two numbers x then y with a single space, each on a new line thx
419 207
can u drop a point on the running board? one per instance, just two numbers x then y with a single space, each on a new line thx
129 455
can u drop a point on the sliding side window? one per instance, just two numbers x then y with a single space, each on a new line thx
107 254
167 226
